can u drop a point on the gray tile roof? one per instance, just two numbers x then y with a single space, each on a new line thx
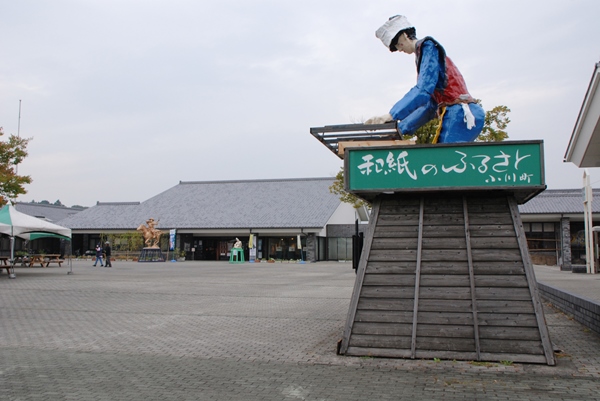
285 203
51 213
560 201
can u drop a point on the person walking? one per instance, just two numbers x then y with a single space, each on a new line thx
107 252
98 255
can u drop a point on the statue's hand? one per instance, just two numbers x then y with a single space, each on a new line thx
380 119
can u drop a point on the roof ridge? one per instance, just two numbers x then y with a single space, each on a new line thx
257 180
116 203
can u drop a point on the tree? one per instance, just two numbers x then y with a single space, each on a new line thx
338 188
494 130
494 127
12 153
496 121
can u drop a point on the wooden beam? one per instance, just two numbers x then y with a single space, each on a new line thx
364 144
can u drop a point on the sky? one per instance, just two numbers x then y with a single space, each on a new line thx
125 98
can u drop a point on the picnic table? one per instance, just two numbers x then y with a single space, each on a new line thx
45 260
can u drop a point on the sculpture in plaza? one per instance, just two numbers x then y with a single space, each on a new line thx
150 233
440 90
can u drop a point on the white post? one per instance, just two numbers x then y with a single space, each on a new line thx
587 214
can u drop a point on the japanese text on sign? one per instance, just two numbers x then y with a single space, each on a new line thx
493 167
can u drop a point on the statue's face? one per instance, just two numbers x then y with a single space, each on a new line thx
405 45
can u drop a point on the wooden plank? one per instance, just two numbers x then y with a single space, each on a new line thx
405 267
494 242
445 280
360 274
389 280
382 329
496 255
445 331
443 219
378 255
431 231
450 206
362 340
492 230
446 293
383 316
512 346
504 306
427 280
342 145
425 305
471 277
485 218
502 294
449 255
396 231
431 267
533 291
391 208
508 319
513 281
445 305
398 220
403 201
487 201
500 268
446 344
441 318
395 243
386 304
438 318
389 291
477 208
446 243
417 278
510 333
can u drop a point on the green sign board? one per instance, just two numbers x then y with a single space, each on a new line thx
481 165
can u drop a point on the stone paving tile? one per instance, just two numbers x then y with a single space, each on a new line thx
212 331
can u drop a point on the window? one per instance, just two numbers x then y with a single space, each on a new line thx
339 249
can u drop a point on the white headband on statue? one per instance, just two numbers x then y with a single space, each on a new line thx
391 28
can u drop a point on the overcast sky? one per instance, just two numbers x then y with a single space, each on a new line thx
125 98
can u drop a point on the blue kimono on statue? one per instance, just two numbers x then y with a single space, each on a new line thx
440 91
439 85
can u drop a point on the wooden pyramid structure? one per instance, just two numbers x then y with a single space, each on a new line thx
446 275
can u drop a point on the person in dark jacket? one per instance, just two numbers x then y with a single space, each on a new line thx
107 252
98 255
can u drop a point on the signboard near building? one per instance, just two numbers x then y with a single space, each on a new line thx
514 166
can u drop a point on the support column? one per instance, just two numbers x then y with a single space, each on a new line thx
311 248
565 244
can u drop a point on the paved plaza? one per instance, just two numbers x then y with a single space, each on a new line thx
219 331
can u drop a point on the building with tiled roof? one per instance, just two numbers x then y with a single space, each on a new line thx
209 215
51 213
555 228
